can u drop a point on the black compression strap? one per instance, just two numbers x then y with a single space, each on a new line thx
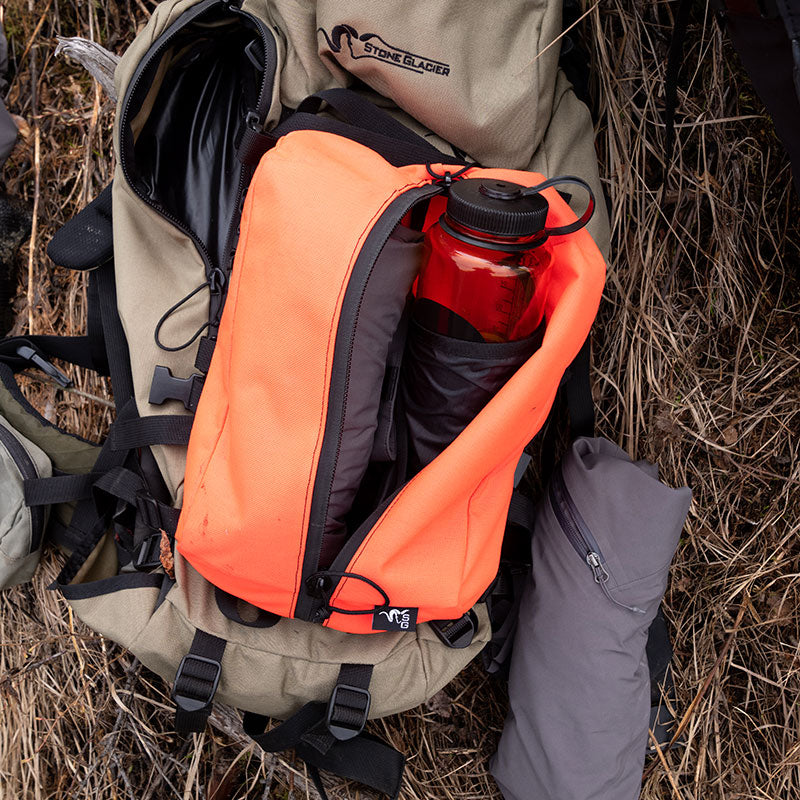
396 152
58 489
147 431
205 350
253 145
94 327
578 392
363 758
196 682
674 61
521 511
354 109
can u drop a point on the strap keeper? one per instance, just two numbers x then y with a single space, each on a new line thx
149 555
346 720
197 700
456 633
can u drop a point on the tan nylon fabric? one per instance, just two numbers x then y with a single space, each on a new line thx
499 122
477 75
495 104
301 658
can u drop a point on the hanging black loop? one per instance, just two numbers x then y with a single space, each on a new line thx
447 179
319 582
214 284
585 217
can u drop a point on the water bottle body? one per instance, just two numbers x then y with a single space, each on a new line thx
476 277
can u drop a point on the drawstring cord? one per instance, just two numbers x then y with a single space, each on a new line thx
215 284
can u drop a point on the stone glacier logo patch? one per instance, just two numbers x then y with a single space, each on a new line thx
394 619
371 45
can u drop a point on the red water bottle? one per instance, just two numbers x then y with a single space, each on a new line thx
483 263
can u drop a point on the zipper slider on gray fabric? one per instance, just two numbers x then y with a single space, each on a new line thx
601 578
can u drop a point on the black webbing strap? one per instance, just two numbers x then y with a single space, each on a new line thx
94 327
354 109
196 682
145 431
60 535
397 153
58 489
253 144
114 335
674 63
578 393
157 515
790 11
316 733
205 350
119 483
88 525
521 511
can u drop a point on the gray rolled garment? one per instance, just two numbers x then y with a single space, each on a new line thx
579 687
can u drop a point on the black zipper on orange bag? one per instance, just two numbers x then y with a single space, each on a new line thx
310 606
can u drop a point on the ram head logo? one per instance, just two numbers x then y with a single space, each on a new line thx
395 616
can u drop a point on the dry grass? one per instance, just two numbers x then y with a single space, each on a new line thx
697 360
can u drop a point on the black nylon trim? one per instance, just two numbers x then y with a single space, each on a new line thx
117 583
58 489
146 431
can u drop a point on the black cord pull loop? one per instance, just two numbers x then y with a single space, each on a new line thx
318 583
447 179
215 284
585 217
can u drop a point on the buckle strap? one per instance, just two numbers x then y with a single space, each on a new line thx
360 757
456 633
350 700
165 386
196 682
157 515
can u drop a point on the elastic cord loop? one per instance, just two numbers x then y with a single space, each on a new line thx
448 177
586 216
170 311
354 576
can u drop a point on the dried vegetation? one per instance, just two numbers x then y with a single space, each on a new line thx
697 366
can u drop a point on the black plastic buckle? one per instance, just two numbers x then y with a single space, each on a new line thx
165 386
456 633
344 731
149 555
29 354
192 704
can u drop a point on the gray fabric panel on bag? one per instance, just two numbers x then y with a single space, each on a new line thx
579 686
382 307
446 382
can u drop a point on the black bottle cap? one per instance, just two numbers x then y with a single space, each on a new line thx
496 207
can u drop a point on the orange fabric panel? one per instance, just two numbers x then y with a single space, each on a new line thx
258 429
437 547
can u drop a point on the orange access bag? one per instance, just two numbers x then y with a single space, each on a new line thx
300 496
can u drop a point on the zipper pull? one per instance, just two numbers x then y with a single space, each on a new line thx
601 578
